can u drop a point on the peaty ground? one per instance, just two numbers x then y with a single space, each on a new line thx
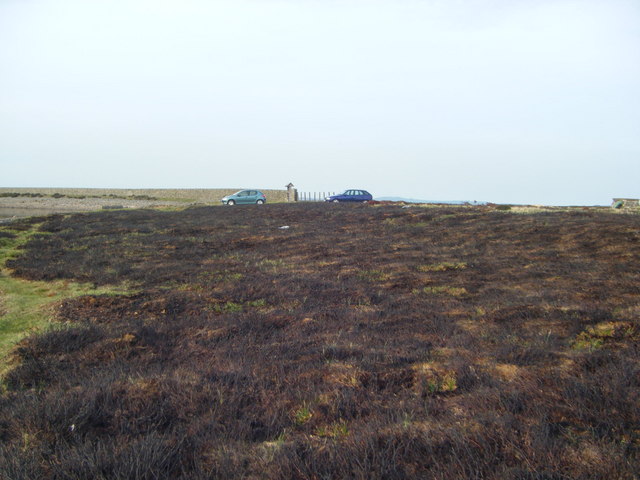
365 341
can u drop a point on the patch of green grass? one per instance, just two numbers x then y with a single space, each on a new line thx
420 224
407 420
302 415
442 385
271 265
373 275
594 337
235 307
338 429
442 267
585 342
228 307
443 290
445 217
448 383
26 306
220 277
261 302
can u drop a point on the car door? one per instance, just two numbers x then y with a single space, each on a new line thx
243 197
253 196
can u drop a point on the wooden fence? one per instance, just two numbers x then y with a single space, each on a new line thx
312 196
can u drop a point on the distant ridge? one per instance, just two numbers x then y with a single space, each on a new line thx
414 200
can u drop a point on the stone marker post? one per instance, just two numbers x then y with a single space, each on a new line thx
291 193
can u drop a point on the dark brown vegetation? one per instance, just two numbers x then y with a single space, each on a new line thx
366 342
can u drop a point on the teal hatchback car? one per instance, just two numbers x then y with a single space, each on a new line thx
254 197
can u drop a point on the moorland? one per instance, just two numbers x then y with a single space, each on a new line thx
29 202
320 341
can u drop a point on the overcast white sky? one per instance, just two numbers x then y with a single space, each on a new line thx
510 101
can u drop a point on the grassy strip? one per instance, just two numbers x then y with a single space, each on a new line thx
27 306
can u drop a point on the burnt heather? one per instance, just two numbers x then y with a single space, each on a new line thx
366 342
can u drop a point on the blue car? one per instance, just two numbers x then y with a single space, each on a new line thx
351 196
254 197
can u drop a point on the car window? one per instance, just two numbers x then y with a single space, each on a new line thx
252 193
243 194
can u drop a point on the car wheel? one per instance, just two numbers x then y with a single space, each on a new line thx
336 201
260 202
231 202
